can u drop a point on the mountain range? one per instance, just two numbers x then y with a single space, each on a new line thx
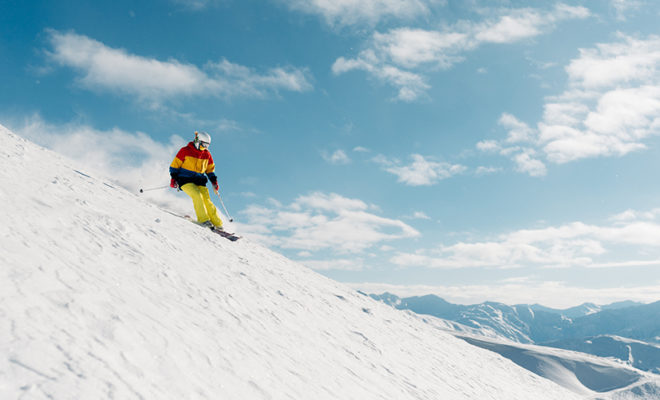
627 331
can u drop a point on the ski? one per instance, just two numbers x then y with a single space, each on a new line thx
227 235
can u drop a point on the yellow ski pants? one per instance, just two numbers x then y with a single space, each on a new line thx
204 207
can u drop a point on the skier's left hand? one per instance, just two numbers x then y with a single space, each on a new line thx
216 187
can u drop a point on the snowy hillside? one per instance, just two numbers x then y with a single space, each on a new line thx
587 328
641 355
585 374
105 296
594 377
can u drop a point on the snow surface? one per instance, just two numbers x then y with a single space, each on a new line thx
106 296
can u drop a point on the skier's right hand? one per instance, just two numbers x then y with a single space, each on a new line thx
173 184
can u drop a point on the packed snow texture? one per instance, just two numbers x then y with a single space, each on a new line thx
106 296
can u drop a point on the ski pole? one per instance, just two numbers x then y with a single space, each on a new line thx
223 206
156 188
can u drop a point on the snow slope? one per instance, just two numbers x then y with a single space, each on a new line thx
581 373
594 377
641 355
105 296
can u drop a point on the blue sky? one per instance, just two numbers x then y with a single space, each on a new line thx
478 150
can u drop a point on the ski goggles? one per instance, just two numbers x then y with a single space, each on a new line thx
204 144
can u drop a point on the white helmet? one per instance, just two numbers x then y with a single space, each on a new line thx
202 140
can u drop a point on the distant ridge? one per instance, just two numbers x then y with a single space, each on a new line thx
628 331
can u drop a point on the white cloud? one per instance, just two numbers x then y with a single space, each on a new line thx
360 149
420 215
150 80
569 245
630 215
321 221
482 170
349 12
217 125
411 85
525 162
409 48
489 145
622 7
344 264
622 81
394 57
132 160
422 171
338 157
526 158
328 202
611 64
518 131
524 290
611 107
195 5
248 82
525 23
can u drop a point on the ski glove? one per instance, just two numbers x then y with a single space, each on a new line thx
173 184
216 187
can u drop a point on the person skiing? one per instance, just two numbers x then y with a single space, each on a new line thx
189 171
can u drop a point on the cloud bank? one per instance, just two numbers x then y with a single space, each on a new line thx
423 171
610 108
525 290
350 12
401 57
575 244
103 68
323 221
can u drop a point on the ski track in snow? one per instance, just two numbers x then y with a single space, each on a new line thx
105 296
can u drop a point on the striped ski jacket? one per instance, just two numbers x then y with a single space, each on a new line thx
190 165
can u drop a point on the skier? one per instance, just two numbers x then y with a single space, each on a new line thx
187 172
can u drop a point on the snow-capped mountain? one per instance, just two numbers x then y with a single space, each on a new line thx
625 331
537 324
104 295
517 323
586 308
